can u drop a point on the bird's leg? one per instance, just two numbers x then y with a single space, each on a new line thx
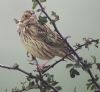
42 66
31 61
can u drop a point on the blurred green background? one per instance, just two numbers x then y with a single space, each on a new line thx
78 18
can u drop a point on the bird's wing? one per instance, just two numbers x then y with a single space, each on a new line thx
45 34
52 39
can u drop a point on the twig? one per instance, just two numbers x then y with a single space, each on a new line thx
40 74
16 67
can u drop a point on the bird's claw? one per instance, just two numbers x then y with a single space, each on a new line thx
41 67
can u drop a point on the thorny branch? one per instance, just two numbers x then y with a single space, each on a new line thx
16 67
71 49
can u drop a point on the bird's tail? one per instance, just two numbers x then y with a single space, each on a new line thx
71 58
68 55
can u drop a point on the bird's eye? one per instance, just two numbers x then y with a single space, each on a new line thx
26 16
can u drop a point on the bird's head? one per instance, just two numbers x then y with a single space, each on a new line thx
27 17
27 14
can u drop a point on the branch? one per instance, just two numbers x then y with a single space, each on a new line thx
79 46
16 67
70 48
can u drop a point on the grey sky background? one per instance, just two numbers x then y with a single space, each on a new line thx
78 18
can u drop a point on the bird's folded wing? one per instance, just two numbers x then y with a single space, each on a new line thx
45 34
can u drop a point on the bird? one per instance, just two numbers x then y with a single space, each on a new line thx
39 40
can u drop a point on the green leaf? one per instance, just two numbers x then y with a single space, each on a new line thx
23 87
96 77
38 10
42 20
69 65
72 75
54 83
77 65
88 86
55 15
73 72
31 83
33 0
52 77
89 80
58 87
77 73
49 78
92 87
39 1
34 5
94 58
42 1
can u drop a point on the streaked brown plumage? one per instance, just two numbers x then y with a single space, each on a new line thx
39 40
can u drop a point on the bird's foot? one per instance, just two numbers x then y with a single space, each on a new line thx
41 67
31 58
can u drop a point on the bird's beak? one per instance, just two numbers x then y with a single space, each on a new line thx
16 21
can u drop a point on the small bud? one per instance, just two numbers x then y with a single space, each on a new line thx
15 66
